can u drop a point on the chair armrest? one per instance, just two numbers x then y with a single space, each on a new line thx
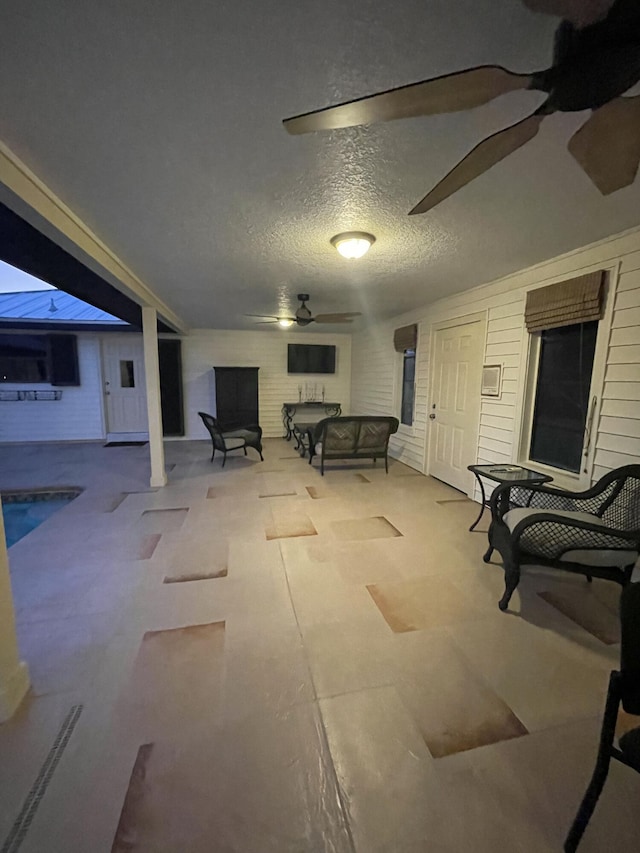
500 507
253 428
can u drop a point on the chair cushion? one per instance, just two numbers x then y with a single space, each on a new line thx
601 557
566 537
233 443
240 433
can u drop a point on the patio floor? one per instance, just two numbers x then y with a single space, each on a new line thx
262 660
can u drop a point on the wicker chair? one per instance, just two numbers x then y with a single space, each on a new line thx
227 440
595 533
624 687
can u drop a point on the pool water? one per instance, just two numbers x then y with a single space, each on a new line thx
23 516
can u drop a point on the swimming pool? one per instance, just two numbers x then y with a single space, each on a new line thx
23 511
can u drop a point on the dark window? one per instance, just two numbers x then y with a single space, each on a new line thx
39 358
408 386
24 358
127 375
562 395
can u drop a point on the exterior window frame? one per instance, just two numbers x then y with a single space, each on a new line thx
414 356
526 402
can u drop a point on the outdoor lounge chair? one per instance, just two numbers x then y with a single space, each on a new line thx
227 440
624 687
595 533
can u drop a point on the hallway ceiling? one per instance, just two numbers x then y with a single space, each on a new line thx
159 124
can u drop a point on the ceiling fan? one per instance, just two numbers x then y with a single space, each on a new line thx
596 60
303 315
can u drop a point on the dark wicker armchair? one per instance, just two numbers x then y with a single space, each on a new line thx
624 687
595 533
237 439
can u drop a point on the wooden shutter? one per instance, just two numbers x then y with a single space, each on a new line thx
405 338
577 300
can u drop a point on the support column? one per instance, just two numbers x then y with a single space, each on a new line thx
14 676
154 411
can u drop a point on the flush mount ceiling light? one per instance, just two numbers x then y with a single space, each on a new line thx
285 322
353 244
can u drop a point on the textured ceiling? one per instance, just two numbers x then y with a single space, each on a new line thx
159 124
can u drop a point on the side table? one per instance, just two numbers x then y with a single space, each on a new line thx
289 411
513 474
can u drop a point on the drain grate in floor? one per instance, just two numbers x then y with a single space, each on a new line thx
21 825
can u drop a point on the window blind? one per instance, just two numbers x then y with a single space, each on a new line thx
577 300
405 338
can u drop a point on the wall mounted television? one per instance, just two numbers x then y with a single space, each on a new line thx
311 358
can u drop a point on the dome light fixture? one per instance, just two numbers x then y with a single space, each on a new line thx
285 322
353 244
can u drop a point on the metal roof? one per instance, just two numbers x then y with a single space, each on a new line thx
53 306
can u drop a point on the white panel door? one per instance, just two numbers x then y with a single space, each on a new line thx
124 384
455 405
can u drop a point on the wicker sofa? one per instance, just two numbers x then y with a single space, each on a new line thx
352 437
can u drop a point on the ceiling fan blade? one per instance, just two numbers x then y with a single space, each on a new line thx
607 146
336 318
271 318
582 13
478 161
267 316
453 92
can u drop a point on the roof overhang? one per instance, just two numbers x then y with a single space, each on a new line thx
23 246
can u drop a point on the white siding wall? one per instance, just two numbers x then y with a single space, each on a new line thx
504 345
77 416
376 384
618 437
502 302
204 349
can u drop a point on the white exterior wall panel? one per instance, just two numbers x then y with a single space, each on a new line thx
77 416
204 349
618 429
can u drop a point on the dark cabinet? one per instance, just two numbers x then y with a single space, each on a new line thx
236 396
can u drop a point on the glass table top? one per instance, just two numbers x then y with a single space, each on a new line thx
509 473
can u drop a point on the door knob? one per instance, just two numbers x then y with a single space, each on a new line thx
432 417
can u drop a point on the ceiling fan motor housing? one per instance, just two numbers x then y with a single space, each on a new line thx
303 315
